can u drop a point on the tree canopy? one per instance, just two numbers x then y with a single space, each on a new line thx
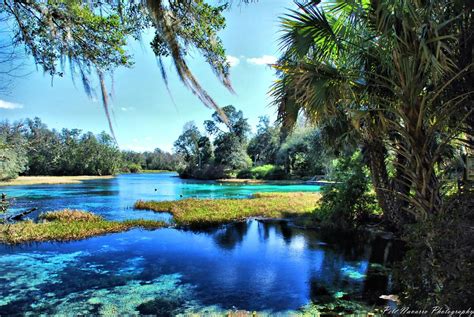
90 37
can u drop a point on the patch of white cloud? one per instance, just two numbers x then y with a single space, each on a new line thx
9 105
232 60
263 60
126 109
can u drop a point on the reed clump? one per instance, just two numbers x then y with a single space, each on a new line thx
67 225
202 212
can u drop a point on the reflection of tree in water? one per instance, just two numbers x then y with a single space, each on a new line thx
231 235
285 230
263 231
282 229
343 271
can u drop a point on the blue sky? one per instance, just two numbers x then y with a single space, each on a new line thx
144 115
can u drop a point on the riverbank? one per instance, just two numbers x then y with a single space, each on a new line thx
50 180
155 171
206 212
250 181
68 225
260 181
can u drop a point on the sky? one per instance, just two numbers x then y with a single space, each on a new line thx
144 114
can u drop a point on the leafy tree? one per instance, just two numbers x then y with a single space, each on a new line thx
264 145
231 152
230 138
235 123
401 73
400 89
44 148
90 37
302 153
13 159
193 146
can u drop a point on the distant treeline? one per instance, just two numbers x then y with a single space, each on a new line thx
28 147
229 150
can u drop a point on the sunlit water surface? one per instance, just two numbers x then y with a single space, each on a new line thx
263 266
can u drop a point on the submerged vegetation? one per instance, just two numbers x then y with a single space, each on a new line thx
67 225
204 212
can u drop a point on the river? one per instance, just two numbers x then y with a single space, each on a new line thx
266 266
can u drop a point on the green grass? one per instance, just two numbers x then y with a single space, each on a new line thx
204 212
66 225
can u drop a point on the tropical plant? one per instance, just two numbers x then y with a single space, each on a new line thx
393 69
401 73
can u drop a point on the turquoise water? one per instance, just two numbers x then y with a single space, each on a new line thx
114 198
266 266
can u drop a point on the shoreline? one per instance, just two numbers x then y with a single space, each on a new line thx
260 181
273 182
51 180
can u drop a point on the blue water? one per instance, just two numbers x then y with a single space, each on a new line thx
270 267
113 198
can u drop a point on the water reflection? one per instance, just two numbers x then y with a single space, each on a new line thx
252 265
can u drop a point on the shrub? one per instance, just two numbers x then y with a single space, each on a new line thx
267 171
245 173
208 171
438 269
347 202
135 168
276 173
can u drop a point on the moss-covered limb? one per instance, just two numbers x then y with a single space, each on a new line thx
66 225
200 212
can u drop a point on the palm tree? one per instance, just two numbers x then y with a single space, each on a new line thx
394 69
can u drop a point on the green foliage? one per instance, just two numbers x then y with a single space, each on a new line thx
347 203
263 147
302 153
231 152
132 168
230 147
193 146
13 160
439 259
90 37
33 149
267 171
135 162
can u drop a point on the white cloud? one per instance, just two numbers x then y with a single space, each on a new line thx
263 60
125 109
9 105
232 60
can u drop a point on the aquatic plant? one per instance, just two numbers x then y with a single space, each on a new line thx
202 212
65 225
69 215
